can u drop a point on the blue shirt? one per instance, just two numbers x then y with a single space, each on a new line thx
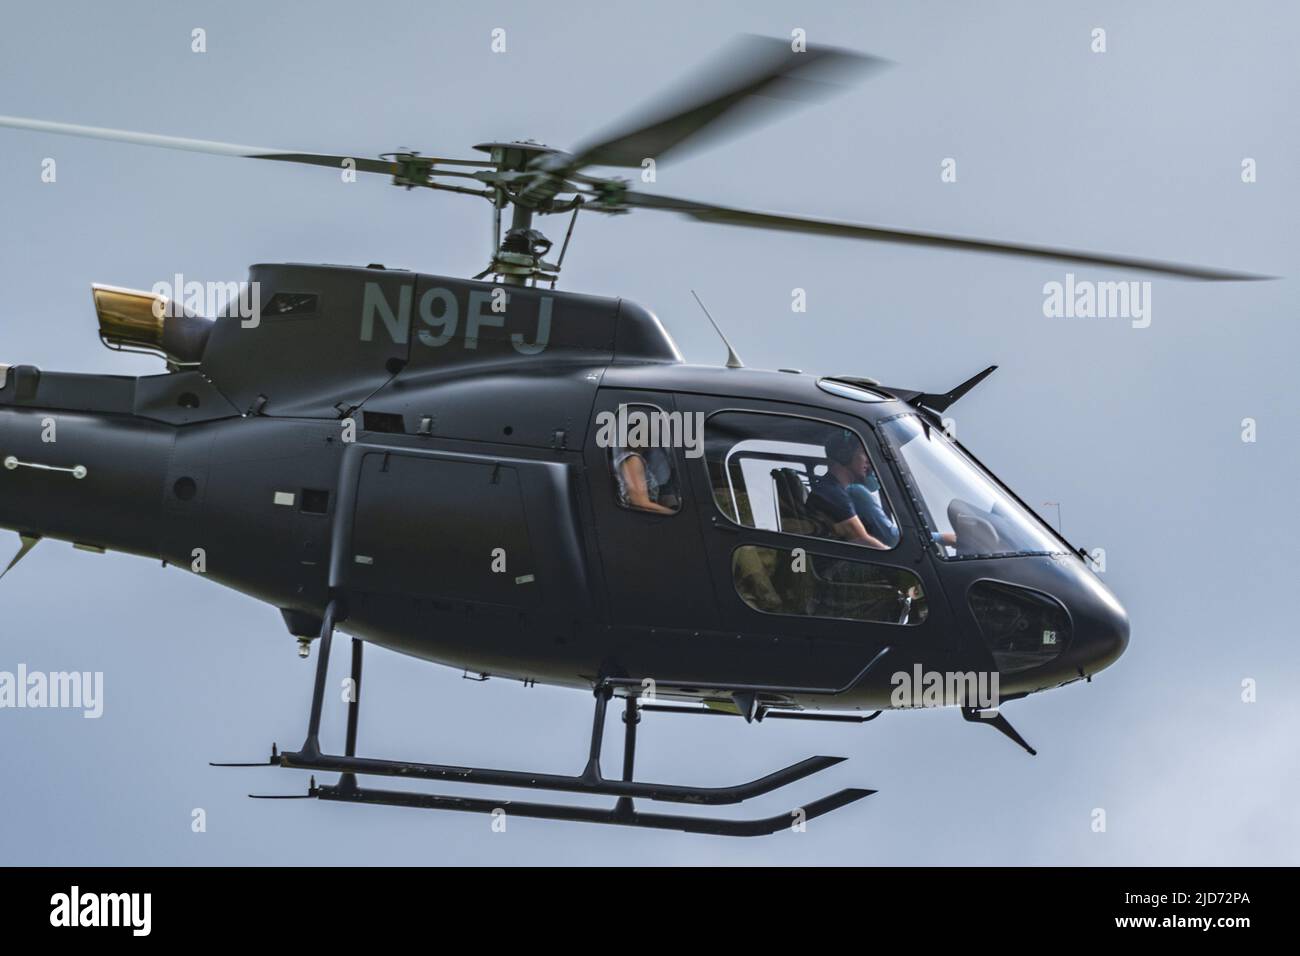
841 502
831 499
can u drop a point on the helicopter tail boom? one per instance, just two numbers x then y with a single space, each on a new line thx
75 468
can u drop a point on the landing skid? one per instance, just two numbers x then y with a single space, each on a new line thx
616 816
710 796
590 781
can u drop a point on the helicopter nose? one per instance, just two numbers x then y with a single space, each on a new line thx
1102 626
1107 641
1057 624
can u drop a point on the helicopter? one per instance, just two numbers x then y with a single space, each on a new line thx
532 484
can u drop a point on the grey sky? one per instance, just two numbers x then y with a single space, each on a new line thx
1136 431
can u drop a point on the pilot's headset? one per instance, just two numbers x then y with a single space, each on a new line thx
842 446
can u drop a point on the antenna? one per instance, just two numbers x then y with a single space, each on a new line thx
733 360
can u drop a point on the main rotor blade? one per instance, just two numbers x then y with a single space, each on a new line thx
760 220
753 78
381 166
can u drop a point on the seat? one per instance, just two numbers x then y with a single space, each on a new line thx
793 515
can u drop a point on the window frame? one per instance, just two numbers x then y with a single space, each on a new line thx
911 622
678 472
866 447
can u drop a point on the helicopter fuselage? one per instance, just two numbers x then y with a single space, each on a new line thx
430 452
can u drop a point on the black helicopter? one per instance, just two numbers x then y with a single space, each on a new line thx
532 484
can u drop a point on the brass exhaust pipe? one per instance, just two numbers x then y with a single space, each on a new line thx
134 321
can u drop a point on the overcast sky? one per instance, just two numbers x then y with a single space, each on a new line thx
1137 432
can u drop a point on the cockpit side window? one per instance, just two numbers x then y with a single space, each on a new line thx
794 581
642 465
798 476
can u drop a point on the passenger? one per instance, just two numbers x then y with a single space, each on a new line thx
833 495
645 479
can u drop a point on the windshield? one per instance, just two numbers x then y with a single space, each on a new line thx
968 514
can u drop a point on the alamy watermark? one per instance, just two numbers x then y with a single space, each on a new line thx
244 299
634 428
75 908
1083 299
977 689
72 690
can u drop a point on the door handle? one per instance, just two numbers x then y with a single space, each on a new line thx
76 471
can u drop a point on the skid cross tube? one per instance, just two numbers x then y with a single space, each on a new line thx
312 744
354 703
631 717
354 711
592 771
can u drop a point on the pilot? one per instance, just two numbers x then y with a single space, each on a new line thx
645 478
870 507
844 498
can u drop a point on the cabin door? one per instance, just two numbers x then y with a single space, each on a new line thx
647 522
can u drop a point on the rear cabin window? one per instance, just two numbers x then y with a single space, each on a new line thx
641 460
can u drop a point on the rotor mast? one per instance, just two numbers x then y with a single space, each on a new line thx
518 255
